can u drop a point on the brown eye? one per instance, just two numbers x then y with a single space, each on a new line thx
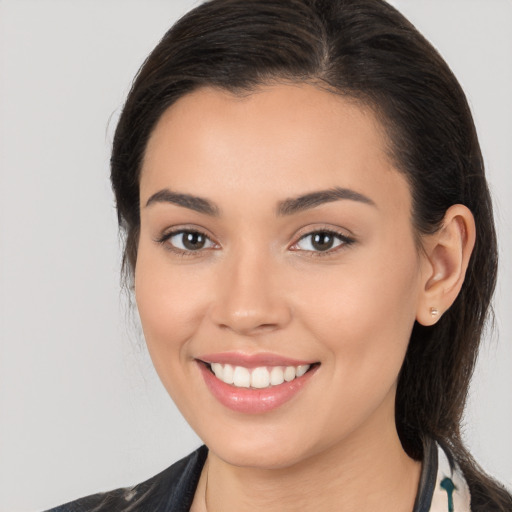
190 241
321 241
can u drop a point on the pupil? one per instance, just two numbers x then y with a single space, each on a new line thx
322 241
193 241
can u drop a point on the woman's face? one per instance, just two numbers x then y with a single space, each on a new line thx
275 234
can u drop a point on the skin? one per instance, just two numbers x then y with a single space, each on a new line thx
259 286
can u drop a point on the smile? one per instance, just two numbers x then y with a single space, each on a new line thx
254 384
260 377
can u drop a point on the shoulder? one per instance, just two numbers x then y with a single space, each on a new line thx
171 490
468 487
451 490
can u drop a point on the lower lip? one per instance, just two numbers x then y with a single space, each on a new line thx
250 400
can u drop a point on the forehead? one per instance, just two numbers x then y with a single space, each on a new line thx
279 139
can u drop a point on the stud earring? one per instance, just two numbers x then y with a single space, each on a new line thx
434 311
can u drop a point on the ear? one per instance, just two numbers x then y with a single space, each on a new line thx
446 255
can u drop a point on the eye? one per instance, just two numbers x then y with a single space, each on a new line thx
321 241
184 241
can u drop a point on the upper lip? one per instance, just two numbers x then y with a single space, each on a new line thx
252 360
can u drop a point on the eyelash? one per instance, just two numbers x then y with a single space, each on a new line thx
344 240
165 241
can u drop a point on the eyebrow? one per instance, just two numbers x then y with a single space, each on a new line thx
307 201
284 208
191 202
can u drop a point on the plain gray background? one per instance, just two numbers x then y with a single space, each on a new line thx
81 409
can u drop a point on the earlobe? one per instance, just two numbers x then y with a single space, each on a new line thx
447 254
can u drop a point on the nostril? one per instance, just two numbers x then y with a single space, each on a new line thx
249 323
267 327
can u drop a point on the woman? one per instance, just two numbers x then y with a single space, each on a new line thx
311 242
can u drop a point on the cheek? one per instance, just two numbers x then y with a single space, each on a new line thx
169 303
363 313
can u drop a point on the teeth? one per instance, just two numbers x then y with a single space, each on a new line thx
276 376
218 370
258 378
227 377
302 369
289 373
241 377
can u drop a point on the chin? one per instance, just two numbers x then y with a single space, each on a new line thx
256 458
263 448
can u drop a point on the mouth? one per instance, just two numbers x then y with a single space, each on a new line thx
260 377
253 385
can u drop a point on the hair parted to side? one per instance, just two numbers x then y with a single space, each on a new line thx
365 50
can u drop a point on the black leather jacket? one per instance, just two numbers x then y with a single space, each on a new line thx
172 490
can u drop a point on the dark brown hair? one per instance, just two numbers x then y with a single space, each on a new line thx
366 50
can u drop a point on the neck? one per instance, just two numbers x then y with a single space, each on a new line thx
359 474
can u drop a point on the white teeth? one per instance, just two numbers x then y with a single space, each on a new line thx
289 373
276 376
218 370
227 377
258 378
302 369
241 377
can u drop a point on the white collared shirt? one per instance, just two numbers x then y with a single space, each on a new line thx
451 492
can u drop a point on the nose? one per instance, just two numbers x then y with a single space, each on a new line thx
250 296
